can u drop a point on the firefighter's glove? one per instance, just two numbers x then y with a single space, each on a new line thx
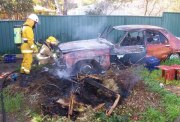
35 49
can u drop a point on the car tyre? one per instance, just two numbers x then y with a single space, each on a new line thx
87 67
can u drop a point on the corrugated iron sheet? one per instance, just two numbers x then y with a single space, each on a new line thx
171 21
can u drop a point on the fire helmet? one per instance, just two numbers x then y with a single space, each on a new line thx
52 40
33 17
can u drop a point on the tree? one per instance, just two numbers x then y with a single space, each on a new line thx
15 9
174 6
153 7
61 6
99 9
102 7
64 5
58 7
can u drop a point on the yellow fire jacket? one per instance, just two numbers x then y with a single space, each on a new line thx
28 37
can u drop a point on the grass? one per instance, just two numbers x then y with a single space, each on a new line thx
171 62
153 115
170 103
101 117
12 102
40 118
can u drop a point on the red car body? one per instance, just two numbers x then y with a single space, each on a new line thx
128 43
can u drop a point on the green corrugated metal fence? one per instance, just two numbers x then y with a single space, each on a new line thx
171 21
69 28
7 37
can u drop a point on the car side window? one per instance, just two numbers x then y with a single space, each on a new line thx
133 38
155 37
163 39
115 36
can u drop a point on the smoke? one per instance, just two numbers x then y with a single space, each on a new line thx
62 73
90 31
59 69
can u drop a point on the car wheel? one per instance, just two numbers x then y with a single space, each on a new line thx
174 56
87 67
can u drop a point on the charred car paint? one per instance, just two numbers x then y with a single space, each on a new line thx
126 44
86 55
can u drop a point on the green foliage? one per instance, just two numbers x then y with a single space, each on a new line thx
102 7
14 8
12 102
169 101
171 62
153 115
41 118
172 112
37 118
46 3
101 117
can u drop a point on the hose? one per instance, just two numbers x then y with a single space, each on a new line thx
2 96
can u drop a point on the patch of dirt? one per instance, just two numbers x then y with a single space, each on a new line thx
139 99
8 67
173 89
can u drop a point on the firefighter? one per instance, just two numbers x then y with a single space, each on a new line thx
28 46
47 53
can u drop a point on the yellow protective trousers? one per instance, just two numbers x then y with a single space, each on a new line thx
28 46
26 63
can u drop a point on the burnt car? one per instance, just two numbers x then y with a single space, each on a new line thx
125 44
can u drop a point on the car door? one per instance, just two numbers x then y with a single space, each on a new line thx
131 49
157 44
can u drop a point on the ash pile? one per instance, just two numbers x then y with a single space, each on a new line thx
70 96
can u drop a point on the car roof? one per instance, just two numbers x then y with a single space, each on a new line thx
134 27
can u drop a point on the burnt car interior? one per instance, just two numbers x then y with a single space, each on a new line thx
129 45
155 37
123 37
133 38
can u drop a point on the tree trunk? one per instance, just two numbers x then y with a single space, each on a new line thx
146 7
65 7
155 1
58 8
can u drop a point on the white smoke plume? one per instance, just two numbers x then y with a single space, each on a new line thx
90 31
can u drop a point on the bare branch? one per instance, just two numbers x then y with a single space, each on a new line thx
155 1
58 9
146 7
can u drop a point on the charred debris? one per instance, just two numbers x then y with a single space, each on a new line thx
69 96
